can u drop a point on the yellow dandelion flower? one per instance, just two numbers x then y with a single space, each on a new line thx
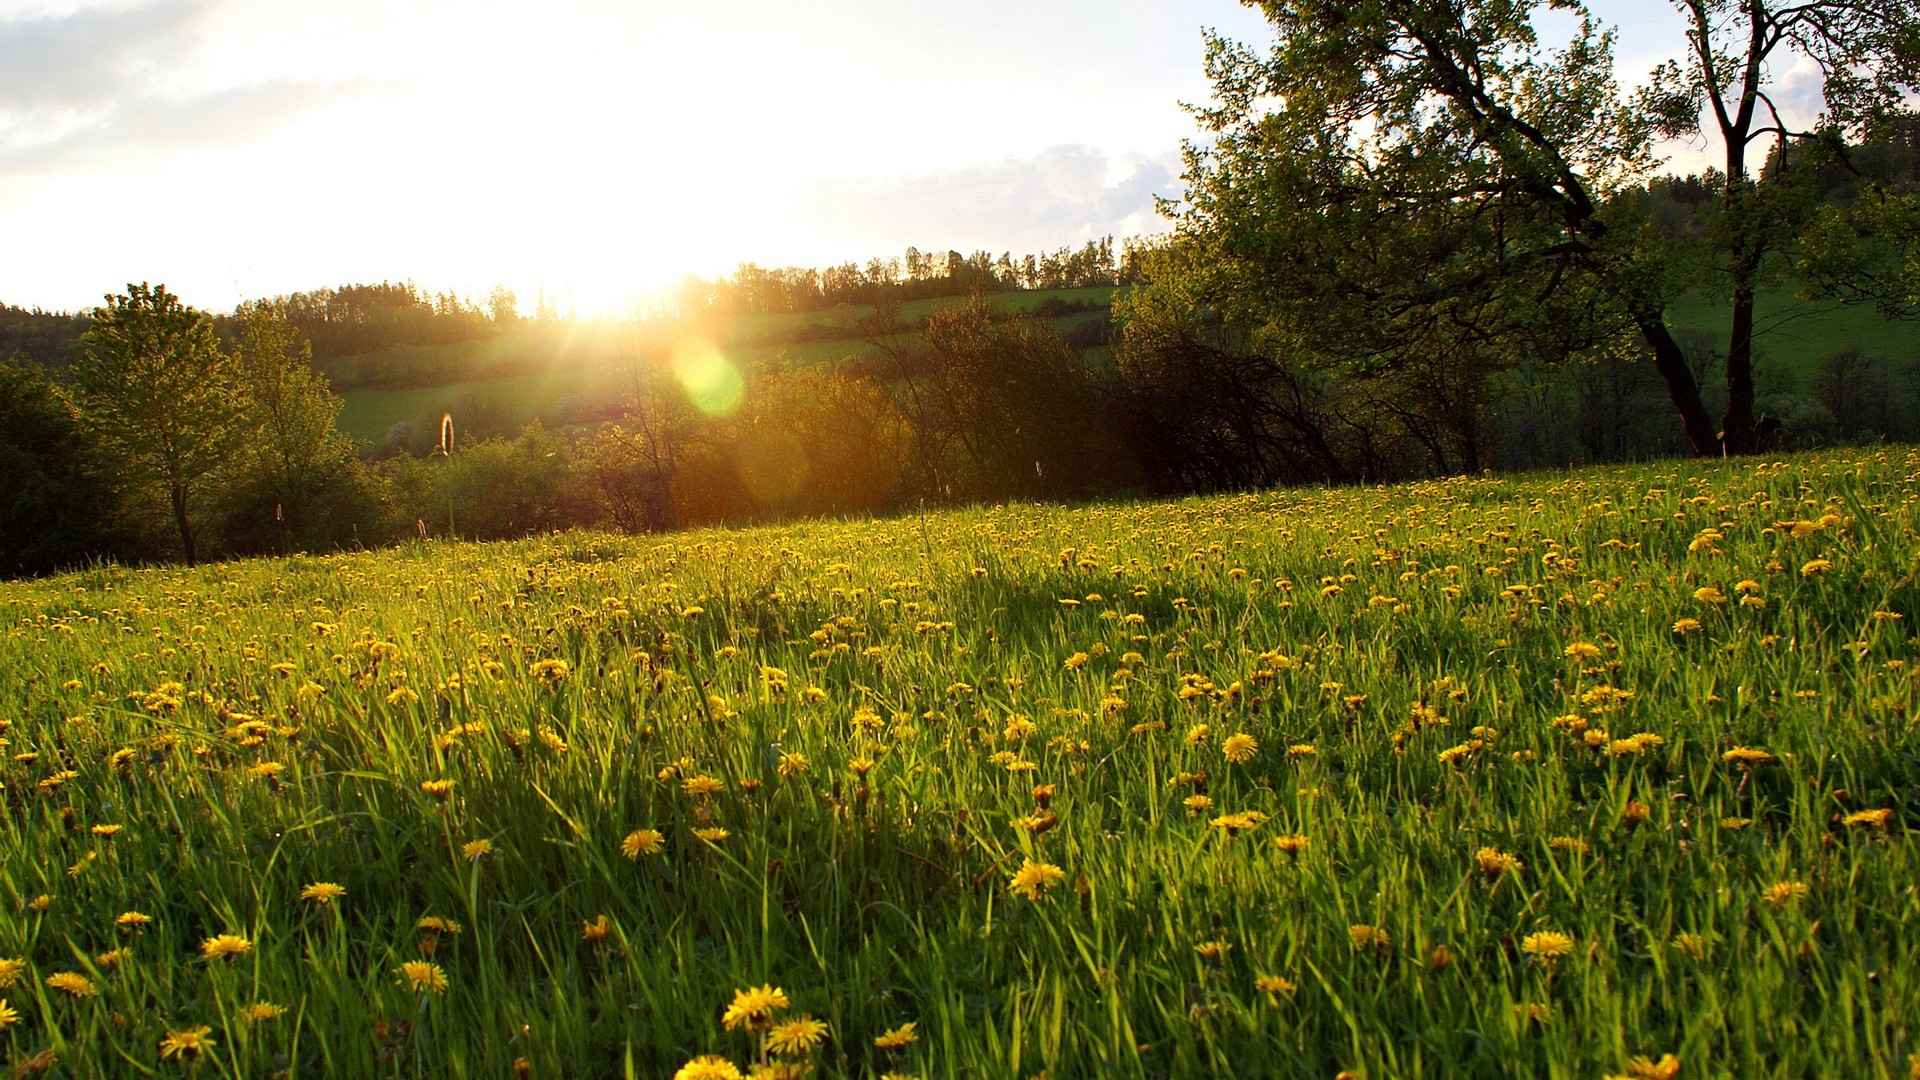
1876 819
186 1044
1275 987
753 1008
262 1011
322 892
897 1038
702 786
11 968
1033 879
225 947
421 976
642 842
1365 936
708 1067
1291 844
1240 747
1814 567
1782 893
1494 863
796 1037
1547 946
72 984
9 1016
475 850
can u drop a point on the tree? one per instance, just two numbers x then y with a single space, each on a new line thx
300 470
158 397
503 307
55 508
1402 177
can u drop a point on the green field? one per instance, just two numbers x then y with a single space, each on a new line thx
1793 335
573 370
1496 777
544 372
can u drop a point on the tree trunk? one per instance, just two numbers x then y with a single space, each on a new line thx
178 493
1736 427
1681 388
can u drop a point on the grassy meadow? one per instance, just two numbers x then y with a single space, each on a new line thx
1587 774
548 373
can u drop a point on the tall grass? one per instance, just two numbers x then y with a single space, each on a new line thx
1476 723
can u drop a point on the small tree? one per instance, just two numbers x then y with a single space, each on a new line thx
157 396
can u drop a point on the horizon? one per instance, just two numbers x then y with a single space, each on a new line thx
1010 134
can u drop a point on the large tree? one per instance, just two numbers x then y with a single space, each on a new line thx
159 398
1402 182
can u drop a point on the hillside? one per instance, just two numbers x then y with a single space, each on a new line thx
1522 776
563 372
555 374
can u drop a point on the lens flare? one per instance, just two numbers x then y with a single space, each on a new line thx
711 381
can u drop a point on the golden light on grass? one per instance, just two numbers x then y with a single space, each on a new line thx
712 383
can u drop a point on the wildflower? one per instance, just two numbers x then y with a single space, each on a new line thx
475 850
1235 824
322 892
1644 1068
1291 844
1582 651
72 984
708 1067
1782 893
712 834
595 930
1547 947
1494 863
106 831
8 1015
1033 879
752 1009
1569 843
1876 819
111 958
642 842
1816 566
1694 945
225 947
1274 987
702 786
438 789
1686 625
422 976
434 924
796 1037
792 764
1240 747
1710 594
551 671
10 971
262 1011
186 1044
1365 936
897 1038
1748 756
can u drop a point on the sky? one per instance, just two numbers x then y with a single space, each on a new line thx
589 150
